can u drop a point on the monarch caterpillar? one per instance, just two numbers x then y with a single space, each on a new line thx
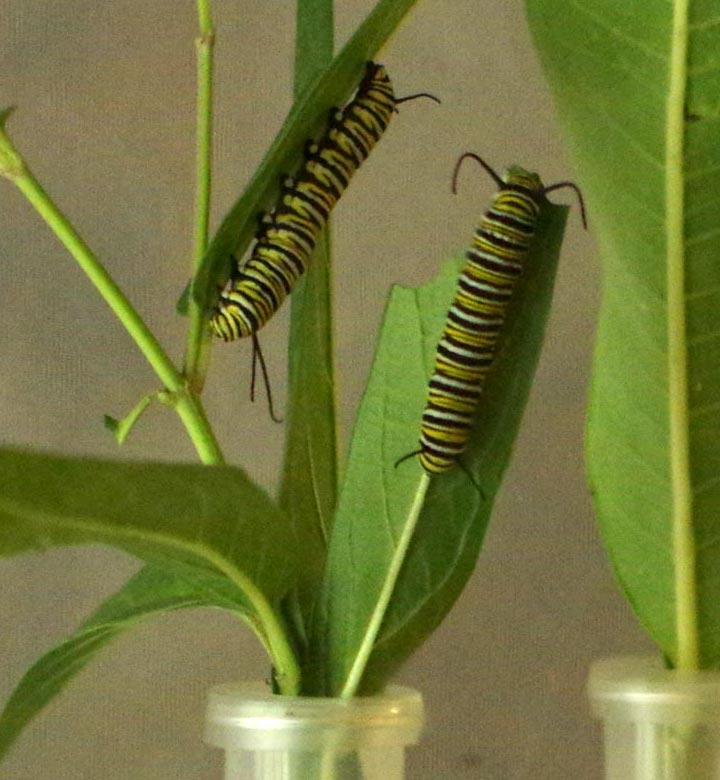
287 235
476 317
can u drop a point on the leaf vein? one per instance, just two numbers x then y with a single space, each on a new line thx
620 129
630 73
704 338
704 293
704 409
617 33
701 238
708 23
706 485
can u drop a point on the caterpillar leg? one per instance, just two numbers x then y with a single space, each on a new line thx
472 479
458 463
406 457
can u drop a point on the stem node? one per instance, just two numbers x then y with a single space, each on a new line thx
206 40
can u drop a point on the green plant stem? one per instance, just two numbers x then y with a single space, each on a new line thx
13 167
683 532
190 410
274 637
197 351
356 671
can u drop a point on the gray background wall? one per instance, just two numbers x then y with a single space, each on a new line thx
105 96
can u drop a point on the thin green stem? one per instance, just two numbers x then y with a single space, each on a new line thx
683 532
272 633
203 9
205 48
190 410
358 668
197 352
103 282
13 167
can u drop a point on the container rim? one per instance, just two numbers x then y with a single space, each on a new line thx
641 689
248 716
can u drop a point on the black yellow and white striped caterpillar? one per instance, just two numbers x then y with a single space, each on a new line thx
288 234
467 347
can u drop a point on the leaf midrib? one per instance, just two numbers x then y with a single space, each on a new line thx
684 552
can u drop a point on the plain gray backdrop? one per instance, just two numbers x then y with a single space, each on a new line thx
105 116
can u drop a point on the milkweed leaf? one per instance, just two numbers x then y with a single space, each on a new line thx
375 496
638 96
154 590
208 520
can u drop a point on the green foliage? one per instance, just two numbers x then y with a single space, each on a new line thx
314 36
208 519
212 538
204 531
610 67
376 496
309 477
153 590
120 429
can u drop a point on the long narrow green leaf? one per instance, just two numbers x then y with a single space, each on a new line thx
314 41
376 497
309 481
308 491
638 94
309 484
306 119
153 590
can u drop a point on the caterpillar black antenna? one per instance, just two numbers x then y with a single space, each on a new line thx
477 158
417 95
257 356
571 184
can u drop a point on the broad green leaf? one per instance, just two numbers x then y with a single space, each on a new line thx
376 496
307 118
211 520
210 517
153 590
637 90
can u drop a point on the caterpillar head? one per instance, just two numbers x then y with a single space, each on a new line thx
531 182
516 176
375 74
